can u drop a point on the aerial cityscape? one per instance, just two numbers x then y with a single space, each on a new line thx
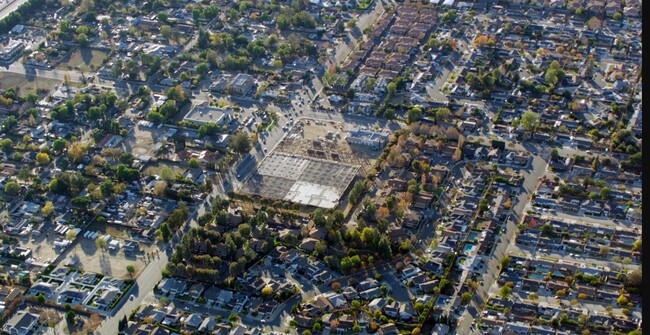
301 167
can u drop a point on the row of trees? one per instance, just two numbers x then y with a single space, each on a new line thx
23 13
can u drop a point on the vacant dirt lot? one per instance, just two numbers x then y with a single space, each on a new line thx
27 86
84 59
109 262
141 140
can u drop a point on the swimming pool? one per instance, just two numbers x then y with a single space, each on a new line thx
467 248
536 276
473 235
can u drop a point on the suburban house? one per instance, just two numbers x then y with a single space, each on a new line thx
22 323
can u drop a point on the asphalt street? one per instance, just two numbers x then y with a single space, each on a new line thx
490 273
149 277
8 6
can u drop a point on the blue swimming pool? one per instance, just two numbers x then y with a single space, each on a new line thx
473 236
536 276
467 248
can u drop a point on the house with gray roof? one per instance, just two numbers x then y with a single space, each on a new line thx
22 323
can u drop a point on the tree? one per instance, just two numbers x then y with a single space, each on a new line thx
340 26
124 173
529 121
47 209
466 297
167 174
165 232
554 154
42 158
193 163
12 188
83 40
166 31
75 152
622 300
413 114
130 269
71 235
442 114
100 243
267 292
356 328
234 269
505 291
6 144
605 192
240 143
317 327
391 88
505 261
603 251
634 278
202 68
162 17
59 144
70 316
383 248
351 93
160 188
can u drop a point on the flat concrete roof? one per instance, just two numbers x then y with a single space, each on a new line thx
202 114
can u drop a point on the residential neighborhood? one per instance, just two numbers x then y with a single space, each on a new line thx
321 167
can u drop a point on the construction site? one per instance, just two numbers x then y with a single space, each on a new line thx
326 140
313 165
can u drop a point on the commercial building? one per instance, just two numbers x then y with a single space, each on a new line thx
241 84
203 113
368 138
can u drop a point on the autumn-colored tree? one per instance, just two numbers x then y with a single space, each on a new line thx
382 213
481 40
112 153
47 209
576 106
452 133
593 23
267 291
75 152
